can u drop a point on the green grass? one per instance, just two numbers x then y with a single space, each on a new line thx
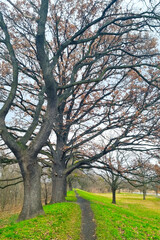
71 196
7 219
131 218
61 221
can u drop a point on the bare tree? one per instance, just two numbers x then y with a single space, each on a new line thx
110 175
141 173
11 188
23 148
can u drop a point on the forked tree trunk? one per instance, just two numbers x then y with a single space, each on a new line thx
32 205
113 196
59 184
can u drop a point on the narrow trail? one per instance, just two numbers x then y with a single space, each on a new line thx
88 225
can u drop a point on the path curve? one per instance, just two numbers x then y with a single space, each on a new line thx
88 224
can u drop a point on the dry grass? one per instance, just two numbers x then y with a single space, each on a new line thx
151 202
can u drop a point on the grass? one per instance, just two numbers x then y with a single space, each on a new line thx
61 221
71 196
7 218
131 218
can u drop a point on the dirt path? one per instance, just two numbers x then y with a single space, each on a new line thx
88 224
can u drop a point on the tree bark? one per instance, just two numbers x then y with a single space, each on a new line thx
59 184
70 185
113 196
144 194
32 205
46 193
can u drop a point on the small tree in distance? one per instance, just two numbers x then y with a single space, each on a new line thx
111 176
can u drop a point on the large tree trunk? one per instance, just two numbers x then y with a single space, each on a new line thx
59 184
32 205
113 195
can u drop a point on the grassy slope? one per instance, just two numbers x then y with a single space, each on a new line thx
131 218
62 221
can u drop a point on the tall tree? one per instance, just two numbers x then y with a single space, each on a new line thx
25 149
105 92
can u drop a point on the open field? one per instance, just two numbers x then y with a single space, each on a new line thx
131 218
